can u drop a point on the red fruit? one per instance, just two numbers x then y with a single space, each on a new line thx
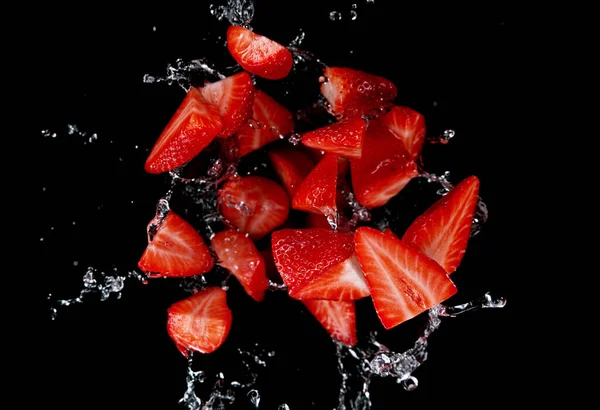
269 120
343 138
317 193
352 93
384 169
234 97
201 322
338 317
176 250
258 54
255 205
318 264
193 126
291 165
443 230
270 267
237 253
403 281
408 126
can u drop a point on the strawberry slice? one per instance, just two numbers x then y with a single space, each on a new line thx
176 250
388 231
403 281
338 317
193 126
291 165
443 230
234 97
237 253
201 322
317 193
384 169
343 138
352 93
255 205
269 120
318 264
408 126
258 54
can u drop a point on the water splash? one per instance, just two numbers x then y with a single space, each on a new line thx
99 283
182 73
237 12
443 139
72 129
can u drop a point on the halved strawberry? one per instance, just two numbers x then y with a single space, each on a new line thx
234 97
258 54
291 165
318 264
343 138
443 230
338 317
352 93
269 120
317 193
255 205
193 126
176 250
237 253
403 281
201 322
384 169
408 126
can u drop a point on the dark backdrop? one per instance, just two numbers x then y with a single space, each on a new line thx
455 65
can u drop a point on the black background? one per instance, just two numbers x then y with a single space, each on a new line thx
95 199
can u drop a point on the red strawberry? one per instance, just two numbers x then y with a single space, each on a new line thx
258 54
403 281
255 205
442 232
234 97
408 126
237 253
317 193
384 169
269 120
193 126
352 93
338 317
176 250
318 264
317 155
343 138
291 165
201 322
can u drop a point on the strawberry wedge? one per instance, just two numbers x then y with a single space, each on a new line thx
353 93
269 120
193 126
255 205
291 165
317 193
338 317
403 281
408 126
176 250
258 54
237 253
384 169
443 230
318 264
201 322
343 138
234 98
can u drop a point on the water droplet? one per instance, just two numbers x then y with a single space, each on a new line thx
410 384
154 28
283 406
335 15
370 1
75 263
354 6
254 397
353 15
